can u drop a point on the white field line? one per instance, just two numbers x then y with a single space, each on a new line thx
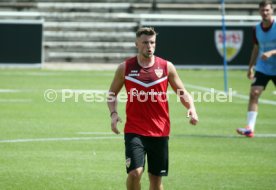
58 139
95 91
9 91
92 91
265 135
13 100
241 96
16 100
227 136
95 133
120 137
55 74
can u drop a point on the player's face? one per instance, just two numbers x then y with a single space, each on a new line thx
266 13
146 45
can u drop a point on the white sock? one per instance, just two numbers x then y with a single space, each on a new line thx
251 119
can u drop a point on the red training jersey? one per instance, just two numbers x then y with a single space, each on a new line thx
147 107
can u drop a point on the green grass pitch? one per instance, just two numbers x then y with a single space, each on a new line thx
68 145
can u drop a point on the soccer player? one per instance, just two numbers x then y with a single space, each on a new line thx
147 126
264 56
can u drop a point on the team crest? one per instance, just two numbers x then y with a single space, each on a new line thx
234 40
158 72
128 161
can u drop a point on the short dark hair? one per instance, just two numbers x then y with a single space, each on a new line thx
145 30
265 3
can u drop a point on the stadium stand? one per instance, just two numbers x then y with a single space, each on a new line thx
93 31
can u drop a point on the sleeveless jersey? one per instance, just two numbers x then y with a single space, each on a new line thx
267 42
147 108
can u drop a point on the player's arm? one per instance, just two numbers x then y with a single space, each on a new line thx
268 54
115 87
185 97
252 62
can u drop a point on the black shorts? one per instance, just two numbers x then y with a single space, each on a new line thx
261 79
137 147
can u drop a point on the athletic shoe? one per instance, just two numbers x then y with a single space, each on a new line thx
246 132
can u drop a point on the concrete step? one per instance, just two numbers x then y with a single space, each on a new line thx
195 8
79 46
65 6
89 16
233 7
109 6
84 7
89 36
18 6
90 26
144 1
89 44
87 57
91 50
19 15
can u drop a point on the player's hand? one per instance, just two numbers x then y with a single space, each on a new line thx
250 73
114 120
266 55
191 113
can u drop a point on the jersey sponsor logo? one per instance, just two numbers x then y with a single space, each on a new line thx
128 162
147 96
233 43
135 92
133 73
158 72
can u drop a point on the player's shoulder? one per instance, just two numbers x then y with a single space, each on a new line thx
170 65
171 68
161 60
120 71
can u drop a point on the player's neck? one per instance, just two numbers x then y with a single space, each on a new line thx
145 61
267 23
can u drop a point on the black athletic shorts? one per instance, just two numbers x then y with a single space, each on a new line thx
138 147
261 79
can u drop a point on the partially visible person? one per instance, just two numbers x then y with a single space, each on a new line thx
264 57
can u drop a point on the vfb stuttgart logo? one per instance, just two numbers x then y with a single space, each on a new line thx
234 41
